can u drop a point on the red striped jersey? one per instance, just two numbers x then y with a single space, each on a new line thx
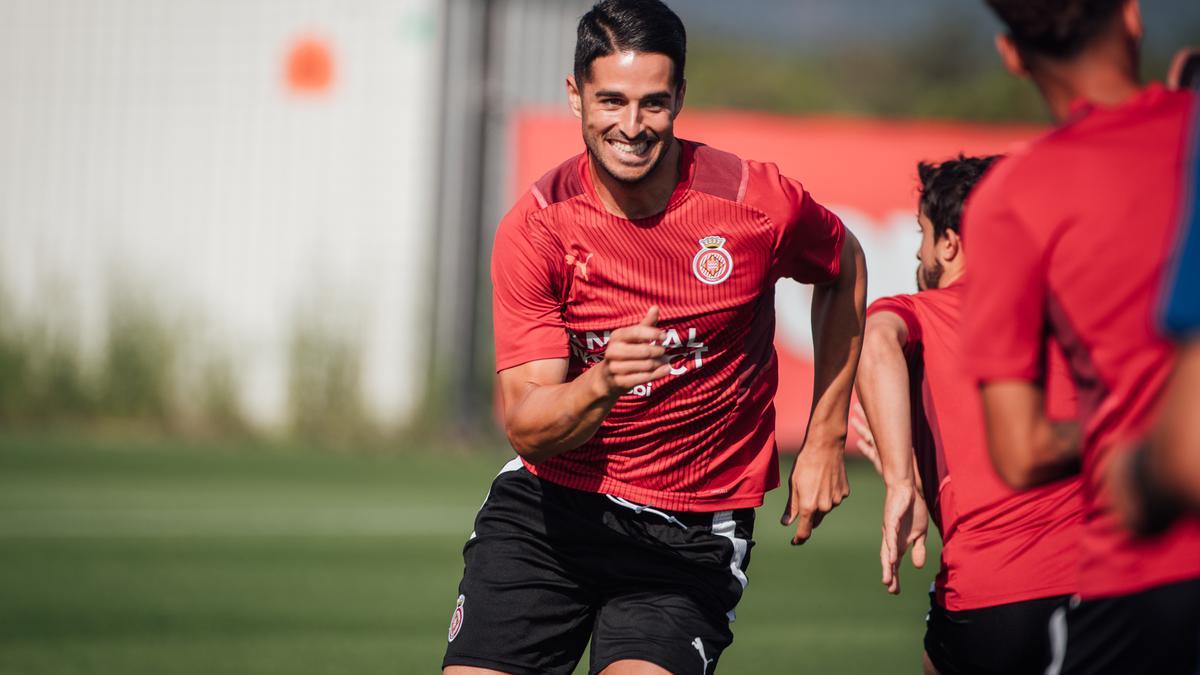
998 546
566 273
1071 237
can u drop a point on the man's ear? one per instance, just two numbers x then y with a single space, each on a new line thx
950 246
1131 15
574 97
679 96
1010 56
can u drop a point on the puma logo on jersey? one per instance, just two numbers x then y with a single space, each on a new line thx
580 261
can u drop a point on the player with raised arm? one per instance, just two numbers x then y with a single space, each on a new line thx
1009 559
1071 237
634 320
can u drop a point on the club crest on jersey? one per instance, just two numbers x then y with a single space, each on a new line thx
712 264
456 619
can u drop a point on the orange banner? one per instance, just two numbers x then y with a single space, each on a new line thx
864 170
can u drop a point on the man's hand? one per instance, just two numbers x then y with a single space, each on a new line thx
634 356
905 524
818 484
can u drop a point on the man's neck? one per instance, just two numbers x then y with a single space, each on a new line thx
645 198
951 275
1101 79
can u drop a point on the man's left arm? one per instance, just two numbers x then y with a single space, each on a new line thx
818 479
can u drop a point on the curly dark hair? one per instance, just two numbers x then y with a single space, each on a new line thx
945 186
1059 29
645 26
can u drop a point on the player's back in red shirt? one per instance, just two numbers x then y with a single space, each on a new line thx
566 272
1070 236
998 546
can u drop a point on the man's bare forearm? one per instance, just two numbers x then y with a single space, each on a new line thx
545 415
883 389
1027 448
838 309
552 419
1174 448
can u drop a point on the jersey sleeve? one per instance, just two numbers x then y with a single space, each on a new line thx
808 241
526 290
1181 292
1004 312
904 307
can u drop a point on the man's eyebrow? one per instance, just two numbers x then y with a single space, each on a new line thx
609 93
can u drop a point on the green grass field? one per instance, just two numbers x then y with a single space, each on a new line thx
130 559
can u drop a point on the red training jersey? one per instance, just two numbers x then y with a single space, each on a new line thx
566 273
998 546
1071 237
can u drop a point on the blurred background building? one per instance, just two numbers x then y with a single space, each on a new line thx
276 216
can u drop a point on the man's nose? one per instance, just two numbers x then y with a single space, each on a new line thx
631 121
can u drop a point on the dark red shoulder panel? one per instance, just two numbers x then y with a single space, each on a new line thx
718 173
559 184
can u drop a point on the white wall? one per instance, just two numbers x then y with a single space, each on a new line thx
159 140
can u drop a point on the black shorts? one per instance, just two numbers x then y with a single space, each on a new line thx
548 567
1011 638
1155 631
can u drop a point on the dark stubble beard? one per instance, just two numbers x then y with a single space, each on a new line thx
930 277
665 150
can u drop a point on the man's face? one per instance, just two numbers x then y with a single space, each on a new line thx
628 107
929 273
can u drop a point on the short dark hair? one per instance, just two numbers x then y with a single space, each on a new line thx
1058 29
646 26
944 189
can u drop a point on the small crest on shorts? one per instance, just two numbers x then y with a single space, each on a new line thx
456 619
712 264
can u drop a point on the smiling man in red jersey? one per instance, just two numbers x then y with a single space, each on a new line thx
634 325
1070 237
1009 559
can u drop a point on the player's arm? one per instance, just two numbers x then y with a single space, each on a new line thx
544 415
883 389
1160 478
1175 448
1027 448
818 481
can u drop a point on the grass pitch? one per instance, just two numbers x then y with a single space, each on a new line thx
175 559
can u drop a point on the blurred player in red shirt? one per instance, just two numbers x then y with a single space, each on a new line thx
634 324
1009 559
1071 237
1161 477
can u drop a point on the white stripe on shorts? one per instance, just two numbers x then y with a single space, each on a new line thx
1058 641
723 525
512 465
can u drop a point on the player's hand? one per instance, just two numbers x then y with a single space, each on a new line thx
905 524
635 355
866 439
818 484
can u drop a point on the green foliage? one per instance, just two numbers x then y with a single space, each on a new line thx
325 385
41 371
138 369
942 72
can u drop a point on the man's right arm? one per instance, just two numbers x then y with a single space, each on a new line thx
544 415
883 389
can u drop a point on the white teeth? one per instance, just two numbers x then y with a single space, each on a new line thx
633 149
